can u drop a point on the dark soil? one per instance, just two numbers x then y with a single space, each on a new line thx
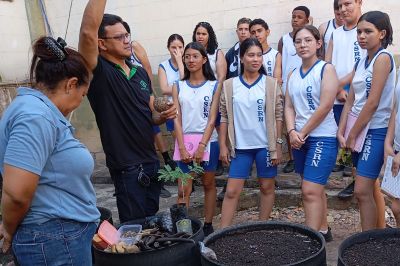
264 248
373 253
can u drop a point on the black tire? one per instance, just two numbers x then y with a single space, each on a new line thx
317 259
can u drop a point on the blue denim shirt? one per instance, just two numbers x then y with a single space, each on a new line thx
36 137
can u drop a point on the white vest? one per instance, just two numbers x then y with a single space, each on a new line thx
305 92
195 102
249 113
269 61
134 60
328 32
346 51
362 85
212 58
290 59
171 72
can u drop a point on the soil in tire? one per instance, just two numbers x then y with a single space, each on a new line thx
264 248
375 252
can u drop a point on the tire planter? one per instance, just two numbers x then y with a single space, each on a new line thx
179 254
384 258
316 259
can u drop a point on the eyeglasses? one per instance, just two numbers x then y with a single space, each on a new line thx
121 37
299 42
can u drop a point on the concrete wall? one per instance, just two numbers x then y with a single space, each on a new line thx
15 41
152 21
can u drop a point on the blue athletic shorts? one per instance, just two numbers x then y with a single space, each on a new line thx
241 165
170 125
337 112
156 130
316 159
369 162
211 165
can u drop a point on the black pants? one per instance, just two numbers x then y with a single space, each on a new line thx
134 201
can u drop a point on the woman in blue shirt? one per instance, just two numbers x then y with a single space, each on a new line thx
48 202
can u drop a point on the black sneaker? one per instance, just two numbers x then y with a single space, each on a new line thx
164 193
328 236
221 195
347 192
338 168
208 229
289 167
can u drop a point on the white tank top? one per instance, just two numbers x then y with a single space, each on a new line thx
346 51
134 60
212 58
195 102
362 85
171 72
328 32
305 92
269 61
249 113
290 59
397 123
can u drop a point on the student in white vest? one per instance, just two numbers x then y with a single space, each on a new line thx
251 121
392 146
326 28
204 34
232 58
290 60
272 59
344 51
370 99
171 70
196 97
310 95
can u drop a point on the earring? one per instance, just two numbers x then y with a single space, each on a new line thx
67 92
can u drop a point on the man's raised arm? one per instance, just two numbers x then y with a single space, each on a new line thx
92 17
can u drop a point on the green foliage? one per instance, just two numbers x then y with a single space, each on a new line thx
167 174
345 157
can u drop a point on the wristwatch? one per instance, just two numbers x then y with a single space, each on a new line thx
279 141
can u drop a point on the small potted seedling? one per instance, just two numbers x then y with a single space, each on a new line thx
179 211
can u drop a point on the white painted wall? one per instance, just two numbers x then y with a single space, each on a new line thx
152 21
14 41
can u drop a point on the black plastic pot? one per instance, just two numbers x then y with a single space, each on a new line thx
178 212
179 254
364 237
317 259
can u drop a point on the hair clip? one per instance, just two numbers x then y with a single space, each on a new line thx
56 47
